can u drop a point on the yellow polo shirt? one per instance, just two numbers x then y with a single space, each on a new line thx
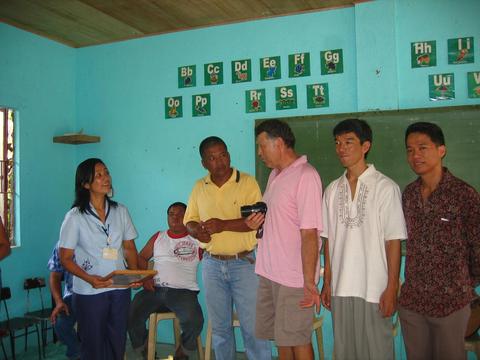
207 201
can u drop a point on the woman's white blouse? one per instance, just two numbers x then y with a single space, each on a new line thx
88 236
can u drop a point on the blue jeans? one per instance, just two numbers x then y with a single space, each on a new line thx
65 330
182 302
234 282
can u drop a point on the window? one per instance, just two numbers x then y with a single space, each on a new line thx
7 176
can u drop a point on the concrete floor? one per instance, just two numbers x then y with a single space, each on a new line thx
57 352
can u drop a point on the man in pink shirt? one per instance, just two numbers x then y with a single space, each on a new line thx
287 258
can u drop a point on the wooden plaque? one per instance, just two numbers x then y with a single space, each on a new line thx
124 278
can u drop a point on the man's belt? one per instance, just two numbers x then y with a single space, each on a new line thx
240 255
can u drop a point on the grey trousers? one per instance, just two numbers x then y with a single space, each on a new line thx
359 330
430 338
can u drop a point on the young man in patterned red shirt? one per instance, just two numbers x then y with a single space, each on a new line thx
442 265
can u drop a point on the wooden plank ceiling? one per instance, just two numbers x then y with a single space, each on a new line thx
79 23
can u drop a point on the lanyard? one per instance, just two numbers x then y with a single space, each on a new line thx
106 229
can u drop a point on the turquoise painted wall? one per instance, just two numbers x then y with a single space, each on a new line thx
440 21
117 91
121 89
377 81
37 79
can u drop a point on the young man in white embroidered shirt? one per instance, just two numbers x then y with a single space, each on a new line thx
363 224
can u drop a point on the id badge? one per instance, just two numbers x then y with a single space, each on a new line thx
110 253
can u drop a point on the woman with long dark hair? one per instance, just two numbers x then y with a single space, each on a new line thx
96 238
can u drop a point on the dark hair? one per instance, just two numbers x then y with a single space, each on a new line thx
85 175
433 131
275 128
178 203
357 126
210 141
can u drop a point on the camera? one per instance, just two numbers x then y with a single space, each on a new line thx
259 207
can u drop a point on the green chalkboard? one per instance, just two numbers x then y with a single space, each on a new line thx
460 124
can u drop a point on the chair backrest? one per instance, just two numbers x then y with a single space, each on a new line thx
31 284
34 283
5 294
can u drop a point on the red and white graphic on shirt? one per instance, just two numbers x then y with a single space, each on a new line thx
185 251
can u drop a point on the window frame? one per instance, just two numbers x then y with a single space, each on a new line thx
8 179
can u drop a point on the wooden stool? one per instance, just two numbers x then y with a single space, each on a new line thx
317 328
152 333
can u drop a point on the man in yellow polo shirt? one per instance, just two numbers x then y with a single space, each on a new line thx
228 270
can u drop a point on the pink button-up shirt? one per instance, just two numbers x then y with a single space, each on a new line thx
294 200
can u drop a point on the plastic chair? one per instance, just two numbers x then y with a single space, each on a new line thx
43 314
208 340
11 326
317 328
152 333
472 343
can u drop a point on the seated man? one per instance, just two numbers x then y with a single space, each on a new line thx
63 317
176 256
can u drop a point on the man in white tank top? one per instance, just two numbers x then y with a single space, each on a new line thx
175 256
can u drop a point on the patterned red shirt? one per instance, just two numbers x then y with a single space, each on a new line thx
443 247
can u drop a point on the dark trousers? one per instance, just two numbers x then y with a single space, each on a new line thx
102 324
430 338
182 302
65 330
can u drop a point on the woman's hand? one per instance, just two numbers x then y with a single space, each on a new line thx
135 285
97 282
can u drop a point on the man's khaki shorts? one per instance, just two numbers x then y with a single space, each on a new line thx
279 315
